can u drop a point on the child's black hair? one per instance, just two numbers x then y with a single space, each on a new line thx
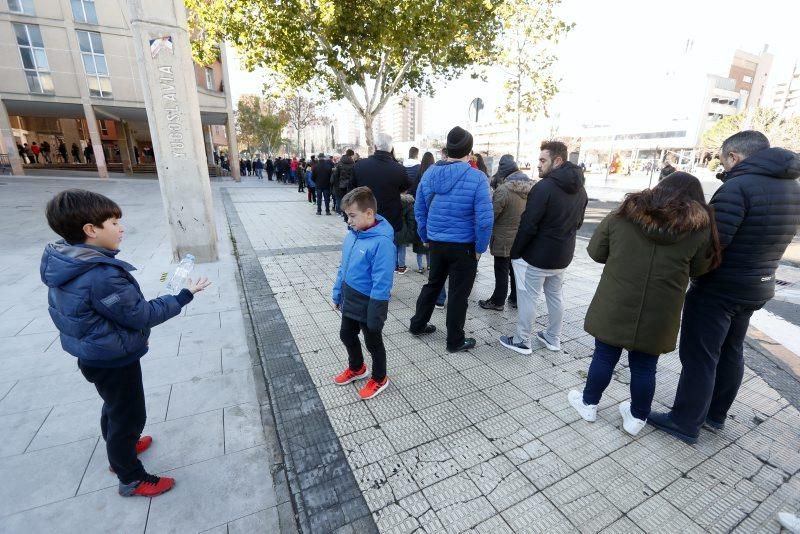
70 210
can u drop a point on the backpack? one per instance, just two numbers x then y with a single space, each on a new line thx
345 176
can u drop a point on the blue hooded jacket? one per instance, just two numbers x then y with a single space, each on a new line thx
97 306
453 205
366 274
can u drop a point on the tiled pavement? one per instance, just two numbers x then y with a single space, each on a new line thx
482 441
203 393
485 441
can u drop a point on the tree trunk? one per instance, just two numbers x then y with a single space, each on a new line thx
298 143
369 134
519 114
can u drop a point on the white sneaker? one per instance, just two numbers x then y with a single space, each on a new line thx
550 346
631 425
587 411
790 522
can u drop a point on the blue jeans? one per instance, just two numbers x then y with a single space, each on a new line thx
643 377
401 255
442 298
419 260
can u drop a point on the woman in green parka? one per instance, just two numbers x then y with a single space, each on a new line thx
651 245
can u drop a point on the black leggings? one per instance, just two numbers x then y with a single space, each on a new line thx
373 339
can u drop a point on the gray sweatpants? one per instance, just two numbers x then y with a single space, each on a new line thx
530 282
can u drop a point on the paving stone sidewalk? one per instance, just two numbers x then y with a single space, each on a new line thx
204 398
485 441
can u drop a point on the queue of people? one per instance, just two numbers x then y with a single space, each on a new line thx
654 246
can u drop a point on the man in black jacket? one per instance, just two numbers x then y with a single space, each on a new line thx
545 244
386 178
321 172
757 212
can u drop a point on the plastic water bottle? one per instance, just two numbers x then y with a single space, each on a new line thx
182 271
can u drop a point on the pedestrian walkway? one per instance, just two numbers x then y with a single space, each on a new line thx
485 441
204 397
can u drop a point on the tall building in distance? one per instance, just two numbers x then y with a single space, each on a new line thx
69 73
402 118
751 74
785 97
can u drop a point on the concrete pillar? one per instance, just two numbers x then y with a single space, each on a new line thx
124 150
230 126
131 142
209 144
97 142
164 55
8 143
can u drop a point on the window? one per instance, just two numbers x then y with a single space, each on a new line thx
747 79
21 6
34 59
94 63
103 127
210 79
83 11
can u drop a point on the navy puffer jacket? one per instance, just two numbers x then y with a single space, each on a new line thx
453 205
97 306
757 211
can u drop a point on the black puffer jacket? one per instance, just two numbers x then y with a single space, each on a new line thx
553 213
757 213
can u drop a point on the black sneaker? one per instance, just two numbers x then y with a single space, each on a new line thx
429 329
489 305
469 343
512 303
714 425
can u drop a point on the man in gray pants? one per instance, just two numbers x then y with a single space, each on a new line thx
545 245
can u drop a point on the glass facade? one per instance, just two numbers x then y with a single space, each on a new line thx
94 63
34 58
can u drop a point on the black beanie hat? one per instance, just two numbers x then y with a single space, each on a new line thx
459 143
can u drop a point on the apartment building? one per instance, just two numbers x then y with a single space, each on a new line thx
68 73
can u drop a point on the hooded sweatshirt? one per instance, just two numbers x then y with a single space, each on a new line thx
757 211
97 306
553 214
453 205
366 273
505 168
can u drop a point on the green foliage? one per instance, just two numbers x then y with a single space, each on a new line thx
258 123
530 28
362 51
713 164
781 131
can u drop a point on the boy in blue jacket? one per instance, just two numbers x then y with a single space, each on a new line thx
362 289
104 321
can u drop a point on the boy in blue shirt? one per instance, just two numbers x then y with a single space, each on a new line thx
362 289
104 321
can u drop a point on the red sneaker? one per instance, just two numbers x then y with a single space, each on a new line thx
149 486
372 388
347 376
143 444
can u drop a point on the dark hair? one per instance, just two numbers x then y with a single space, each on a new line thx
481 164
672 196
349 152
413 152
362 198
427 161
70 210
745 143
556 149
444 152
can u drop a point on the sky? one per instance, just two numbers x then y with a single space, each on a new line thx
623 62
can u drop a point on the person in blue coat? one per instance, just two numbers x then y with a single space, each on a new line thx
454 216
362 288
105 321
